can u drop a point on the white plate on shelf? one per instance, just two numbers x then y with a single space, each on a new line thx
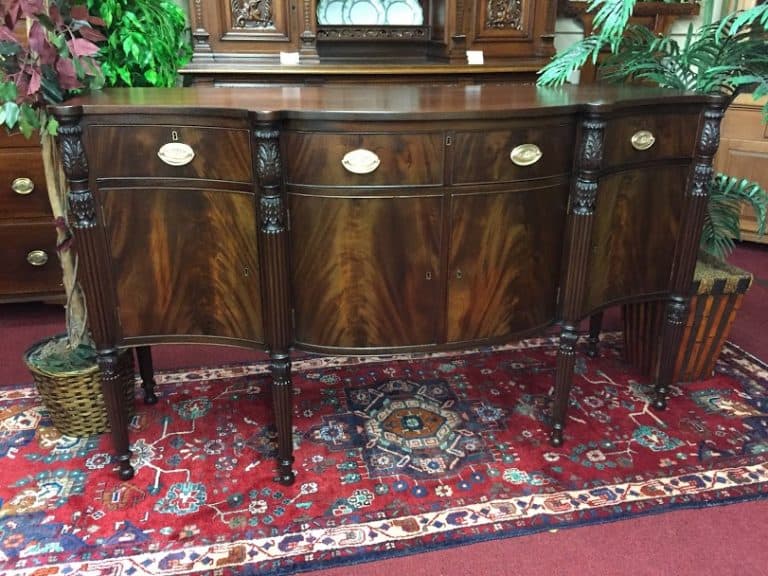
363 12
330 12
403 13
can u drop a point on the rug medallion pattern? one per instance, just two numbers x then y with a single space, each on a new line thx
393 456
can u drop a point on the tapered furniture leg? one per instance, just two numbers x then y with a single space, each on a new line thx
563 378
674 324
595 326
282 406
144 358
117 410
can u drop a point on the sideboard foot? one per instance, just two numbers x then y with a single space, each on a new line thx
660 401
126 470
285 474
556 437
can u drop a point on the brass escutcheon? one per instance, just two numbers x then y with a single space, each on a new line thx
525 154
23 186
37 257
642 140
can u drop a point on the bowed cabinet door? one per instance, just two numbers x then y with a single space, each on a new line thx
366 270
504 262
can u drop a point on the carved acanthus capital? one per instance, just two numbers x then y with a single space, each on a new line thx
72 152
592 144
710 132
268 165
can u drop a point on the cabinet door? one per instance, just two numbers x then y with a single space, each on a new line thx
637 219
365 270
504 261
746 159
184 262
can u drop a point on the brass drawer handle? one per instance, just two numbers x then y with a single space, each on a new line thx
360 161
526 154
176 154
37 257
643 140
23 186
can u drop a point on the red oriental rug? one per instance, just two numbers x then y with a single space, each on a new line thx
394 456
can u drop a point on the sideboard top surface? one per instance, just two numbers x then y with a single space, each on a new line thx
379 102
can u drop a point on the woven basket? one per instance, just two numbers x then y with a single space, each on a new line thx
74 399
718 289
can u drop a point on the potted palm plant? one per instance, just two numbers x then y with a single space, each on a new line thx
728 56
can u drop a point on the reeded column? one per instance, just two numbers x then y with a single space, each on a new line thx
89 247
273 256
578 237
697 197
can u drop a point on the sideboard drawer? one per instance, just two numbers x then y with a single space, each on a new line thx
644 137
510 155
358 159
23 193
196 152
29 261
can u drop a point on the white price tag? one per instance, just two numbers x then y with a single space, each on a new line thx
289 58
474 56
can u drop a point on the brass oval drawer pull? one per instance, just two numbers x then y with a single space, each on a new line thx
526 154
176 154
643 140
360 161
37 257
23 186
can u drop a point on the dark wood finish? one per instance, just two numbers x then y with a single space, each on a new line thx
372 258
484 157
429 250
502 284
203 276
237 42
19 279
406 159
634 204
26 224
147 372
220 154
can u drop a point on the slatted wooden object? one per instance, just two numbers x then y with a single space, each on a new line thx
718 290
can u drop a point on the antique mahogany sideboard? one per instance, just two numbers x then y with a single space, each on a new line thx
374 219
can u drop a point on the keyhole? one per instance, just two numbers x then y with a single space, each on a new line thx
459 275
246 271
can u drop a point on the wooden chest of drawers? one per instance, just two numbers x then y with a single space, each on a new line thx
311 218
29 268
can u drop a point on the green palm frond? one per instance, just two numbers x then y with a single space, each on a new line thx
721 220
558 70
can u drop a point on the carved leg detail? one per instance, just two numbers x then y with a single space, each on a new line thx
117 411
282 404
672 332
144 358
563 379
595 326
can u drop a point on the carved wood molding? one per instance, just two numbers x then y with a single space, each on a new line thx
373 33
252 14
504 14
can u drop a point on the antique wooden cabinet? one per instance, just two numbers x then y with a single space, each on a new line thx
341 219
29 268
744 153
240 41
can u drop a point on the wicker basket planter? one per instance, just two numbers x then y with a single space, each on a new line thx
718 290
74 399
